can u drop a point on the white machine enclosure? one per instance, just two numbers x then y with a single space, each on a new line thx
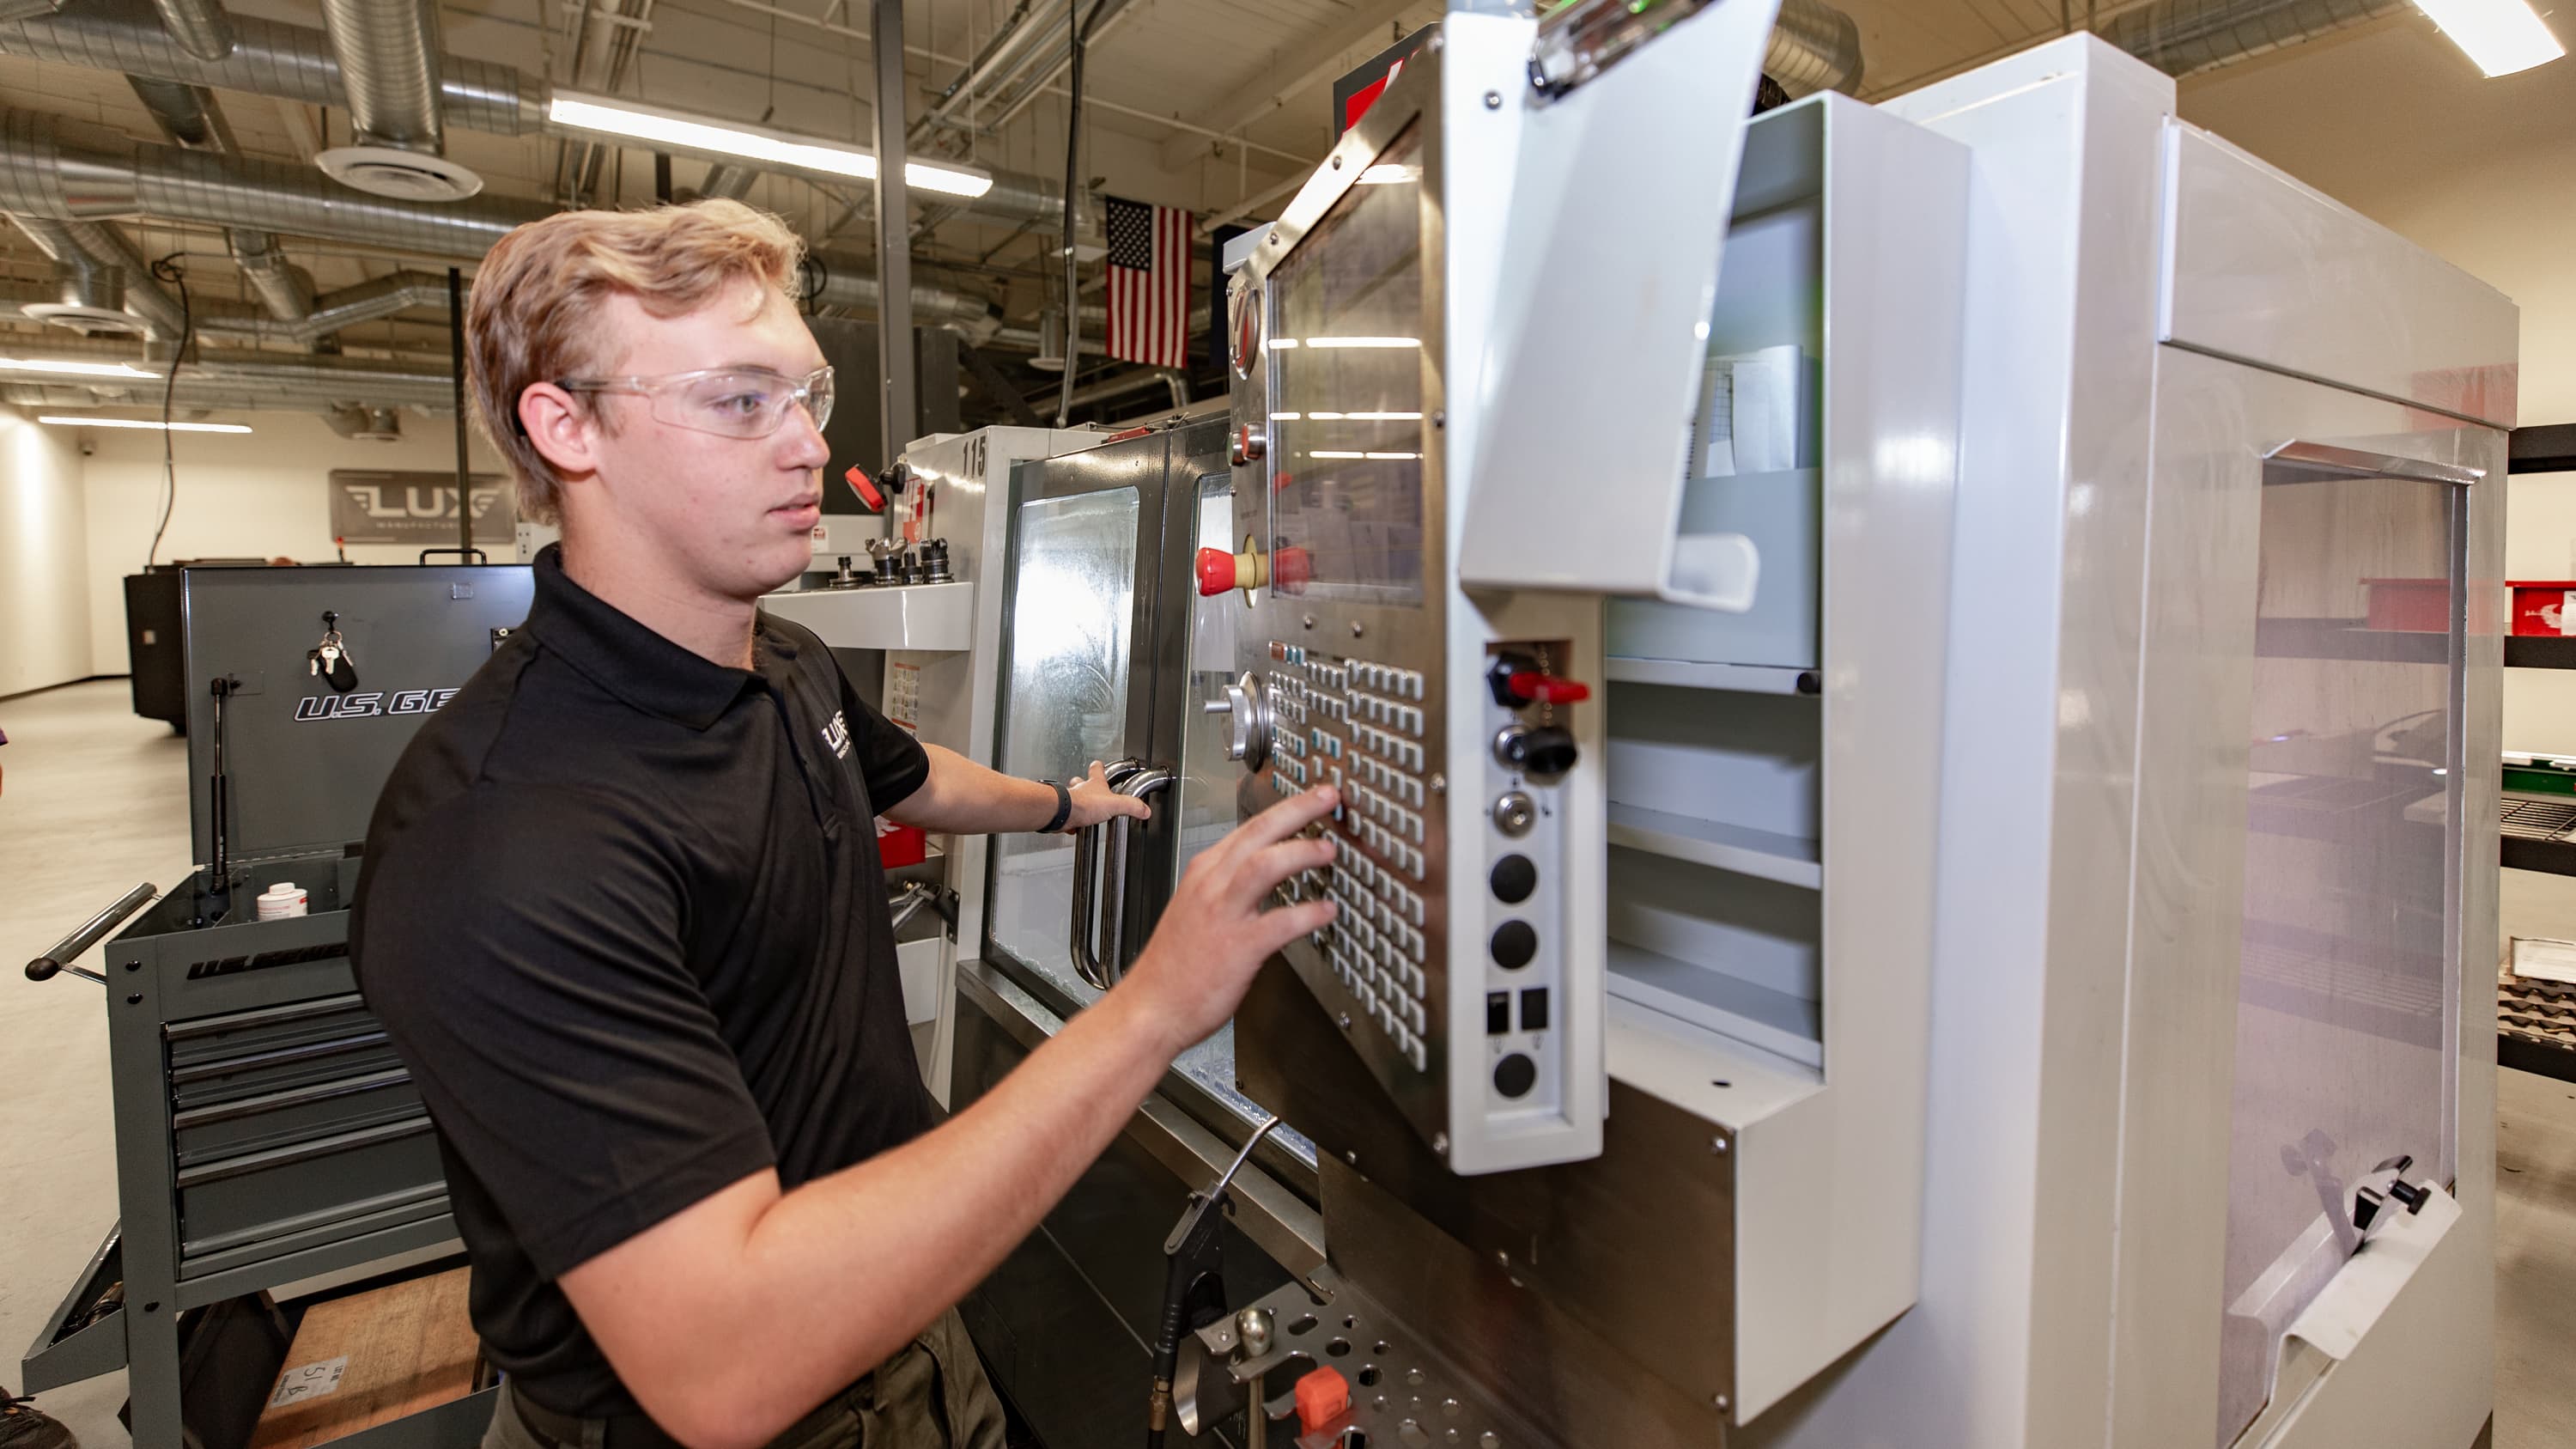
940 647
2158 327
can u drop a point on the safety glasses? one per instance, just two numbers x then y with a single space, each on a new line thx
730 402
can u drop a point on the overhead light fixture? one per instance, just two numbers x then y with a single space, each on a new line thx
76 369
67 420
1364 342
734 141
2501 36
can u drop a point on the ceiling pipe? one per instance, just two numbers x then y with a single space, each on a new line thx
188 115
2187 37
203 28
338 311
389 64
69 172
284 288
729 181
295 63
1814 47
84 248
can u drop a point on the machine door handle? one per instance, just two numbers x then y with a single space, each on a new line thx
1143 785
69 949
1086 879
2352 462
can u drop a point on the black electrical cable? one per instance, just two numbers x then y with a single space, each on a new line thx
168 270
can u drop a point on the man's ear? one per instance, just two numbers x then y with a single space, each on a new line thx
563 432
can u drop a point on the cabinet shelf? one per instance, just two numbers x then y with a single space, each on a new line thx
1775 1021
1697 674
2538 651
1737 848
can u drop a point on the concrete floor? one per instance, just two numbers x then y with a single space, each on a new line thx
94 799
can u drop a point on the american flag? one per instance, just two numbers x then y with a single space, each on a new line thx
1149 283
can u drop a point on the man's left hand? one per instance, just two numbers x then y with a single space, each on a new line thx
1094 801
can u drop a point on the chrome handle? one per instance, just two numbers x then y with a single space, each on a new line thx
1142 785
1086 873
70 948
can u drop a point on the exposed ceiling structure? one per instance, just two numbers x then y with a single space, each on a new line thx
229 141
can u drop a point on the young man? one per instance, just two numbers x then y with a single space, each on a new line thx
624 919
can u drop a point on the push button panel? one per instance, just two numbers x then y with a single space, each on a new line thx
1521 871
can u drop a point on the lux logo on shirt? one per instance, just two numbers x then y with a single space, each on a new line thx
837 735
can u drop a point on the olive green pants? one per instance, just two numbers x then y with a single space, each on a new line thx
931 1395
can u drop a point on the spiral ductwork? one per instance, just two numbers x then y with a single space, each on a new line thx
389 64
284 288
268 58
201 27
2186 37
729 181
188 115
296 63
1814 47
70 172
95 260
338 311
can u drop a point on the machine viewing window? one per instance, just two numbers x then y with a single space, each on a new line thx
1346 418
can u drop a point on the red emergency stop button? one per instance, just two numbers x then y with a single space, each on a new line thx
1216 572
1322 1397
1529 686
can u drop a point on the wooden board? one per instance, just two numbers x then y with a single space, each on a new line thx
409 1346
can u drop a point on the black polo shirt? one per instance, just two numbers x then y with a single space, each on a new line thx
623 917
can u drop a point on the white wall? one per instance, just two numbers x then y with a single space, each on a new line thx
44 557
261 494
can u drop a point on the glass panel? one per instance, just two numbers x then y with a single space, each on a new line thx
2343 1028
1065 704
1346 392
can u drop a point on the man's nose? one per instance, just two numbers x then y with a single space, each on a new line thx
801 441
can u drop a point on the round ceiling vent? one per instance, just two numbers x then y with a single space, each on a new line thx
407 175
82 318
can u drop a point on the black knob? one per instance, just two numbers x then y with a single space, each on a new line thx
1544 750
1514 1075
1514 944
2413 1194
1514 878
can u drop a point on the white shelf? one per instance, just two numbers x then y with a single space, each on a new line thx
902 616
1700 674
1738 848
1775 1021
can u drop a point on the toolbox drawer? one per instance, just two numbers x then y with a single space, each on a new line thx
294 1114
221 1059
238 1200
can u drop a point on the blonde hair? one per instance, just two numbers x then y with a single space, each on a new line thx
533 314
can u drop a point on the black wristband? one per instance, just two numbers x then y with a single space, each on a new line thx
1063 808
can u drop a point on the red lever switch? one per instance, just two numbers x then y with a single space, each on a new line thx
1531 687
866 488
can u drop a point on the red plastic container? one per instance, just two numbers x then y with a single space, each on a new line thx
2544 606
900 845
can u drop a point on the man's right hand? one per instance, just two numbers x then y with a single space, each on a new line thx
1215 936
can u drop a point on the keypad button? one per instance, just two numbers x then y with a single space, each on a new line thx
1419 1055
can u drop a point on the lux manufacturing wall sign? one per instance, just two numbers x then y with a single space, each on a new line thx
370 506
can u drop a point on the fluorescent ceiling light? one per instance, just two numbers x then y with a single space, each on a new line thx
66 420
75 369
729 140
1362 342
2501 36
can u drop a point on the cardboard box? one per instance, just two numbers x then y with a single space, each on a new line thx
369 1359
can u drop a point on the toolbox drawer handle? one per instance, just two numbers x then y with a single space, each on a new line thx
302 1152
268 1016
337 1046
293 1097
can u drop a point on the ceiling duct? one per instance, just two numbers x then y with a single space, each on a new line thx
2186 37
296 63
201 27
68 171
338 311
284 288
389 62
94 262
188 115
1814 47
728 181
